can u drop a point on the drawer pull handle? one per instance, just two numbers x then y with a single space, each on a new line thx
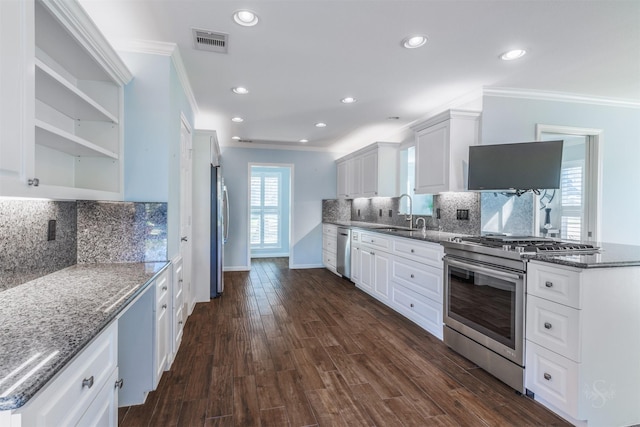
412 276
164 288
164 306
547 325
411 305
547 376
119 383
87 382
180 322
548 284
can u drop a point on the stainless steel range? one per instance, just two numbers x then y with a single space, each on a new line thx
484 291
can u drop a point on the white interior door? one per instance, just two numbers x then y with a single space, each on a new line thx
186 213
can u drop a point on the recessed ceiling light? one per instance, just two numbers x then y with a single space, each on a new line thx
348 100
513 54
246 18
304 140
235 138
414 41
237 119
321 125
240 90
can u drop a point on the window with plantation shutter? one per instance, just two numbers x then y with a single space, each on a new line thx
266 209
571 199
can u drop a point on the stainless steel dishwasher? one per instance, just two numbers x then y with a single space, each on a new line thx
343 264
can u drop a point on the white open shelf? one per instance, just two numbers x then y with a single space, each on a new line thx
56 91
55 138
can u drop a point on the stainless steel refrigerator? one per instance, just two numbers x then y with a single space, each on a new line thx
219 229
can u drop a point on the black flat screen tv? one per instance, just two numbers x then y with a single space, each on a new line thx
520 166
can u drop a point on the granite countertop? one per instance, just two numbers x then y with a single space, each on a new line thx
54 317
610 254
432 236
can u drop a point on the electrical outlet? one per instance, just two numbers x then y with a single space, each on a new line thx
51 230
379 212
462 214
437 213
358 213
390 213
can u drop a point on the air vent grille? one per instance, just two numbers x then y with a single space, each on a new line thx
210 41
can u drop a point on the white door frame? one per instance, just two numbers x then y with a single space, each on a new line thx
593 179
186 212
290 211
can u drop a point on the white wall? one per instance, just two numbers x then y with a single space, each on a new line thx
314 179
154 100
508 119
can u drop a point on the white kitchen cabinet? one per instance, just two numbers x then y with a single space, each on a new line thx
177 309
163 329
84 389
369 172
65 138
442 151
329 246
374 265
579 363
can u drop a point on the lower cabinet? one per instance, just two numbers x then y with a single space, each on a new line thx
162 327
406 274
329 246
177 322
84 393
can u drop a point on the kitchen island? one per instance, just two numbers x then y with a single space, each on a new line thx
48 321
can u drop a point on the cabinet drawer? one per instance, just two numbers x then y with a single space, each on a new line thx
560 285
419 251
330 229
65 399
423 279
329 243
554 326
553 378
162 287
329 259
375 240
420 309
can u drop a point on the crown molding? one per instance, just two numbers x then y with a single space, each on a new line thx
165 49
76 20
274 146
540 95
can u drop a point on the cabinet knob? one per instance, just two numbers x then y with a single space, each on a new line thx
548 284
411 305
164 306
547 325
87 382
164 288
180 322
180 280
34 182
412 250
119 383
547 376
412 276
372 253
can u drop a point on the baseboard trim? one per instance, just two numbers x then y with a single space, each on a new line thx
305 266
237 268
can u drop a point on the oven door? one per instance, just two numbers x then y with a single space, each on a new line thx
486 304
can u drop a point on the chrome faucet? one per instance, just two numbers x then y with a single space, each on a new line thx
424 224
410 216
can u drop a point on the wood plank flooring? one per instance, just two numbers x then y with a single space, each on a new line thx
306 348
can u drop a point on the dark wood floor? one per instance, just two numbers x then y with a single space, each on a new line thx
303 348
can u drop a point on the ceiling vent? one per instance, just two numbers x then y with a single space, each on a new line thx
210 41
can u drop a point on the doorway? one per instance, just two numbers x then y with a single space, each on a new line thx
270 201
572 212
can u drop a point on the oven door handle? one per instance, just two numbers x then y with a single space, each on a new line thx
488 271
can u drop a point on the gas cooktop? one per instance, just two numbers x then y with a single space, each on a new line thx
521 245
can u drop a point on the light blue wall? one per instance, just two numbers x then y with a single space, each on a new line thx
514 119
154 101
314 179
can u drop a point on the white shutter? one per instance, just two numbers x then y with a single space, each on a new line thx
266 209
571 199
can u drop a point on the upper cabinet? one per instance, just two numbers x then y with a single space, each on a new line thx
369 172
66 138
442 151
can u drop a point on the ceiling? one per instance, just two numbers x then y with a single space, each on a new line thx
304 56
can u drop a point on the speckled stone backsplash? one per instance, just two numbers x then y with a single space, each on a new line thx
121 232
336 210
384 210
508 214
25 251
